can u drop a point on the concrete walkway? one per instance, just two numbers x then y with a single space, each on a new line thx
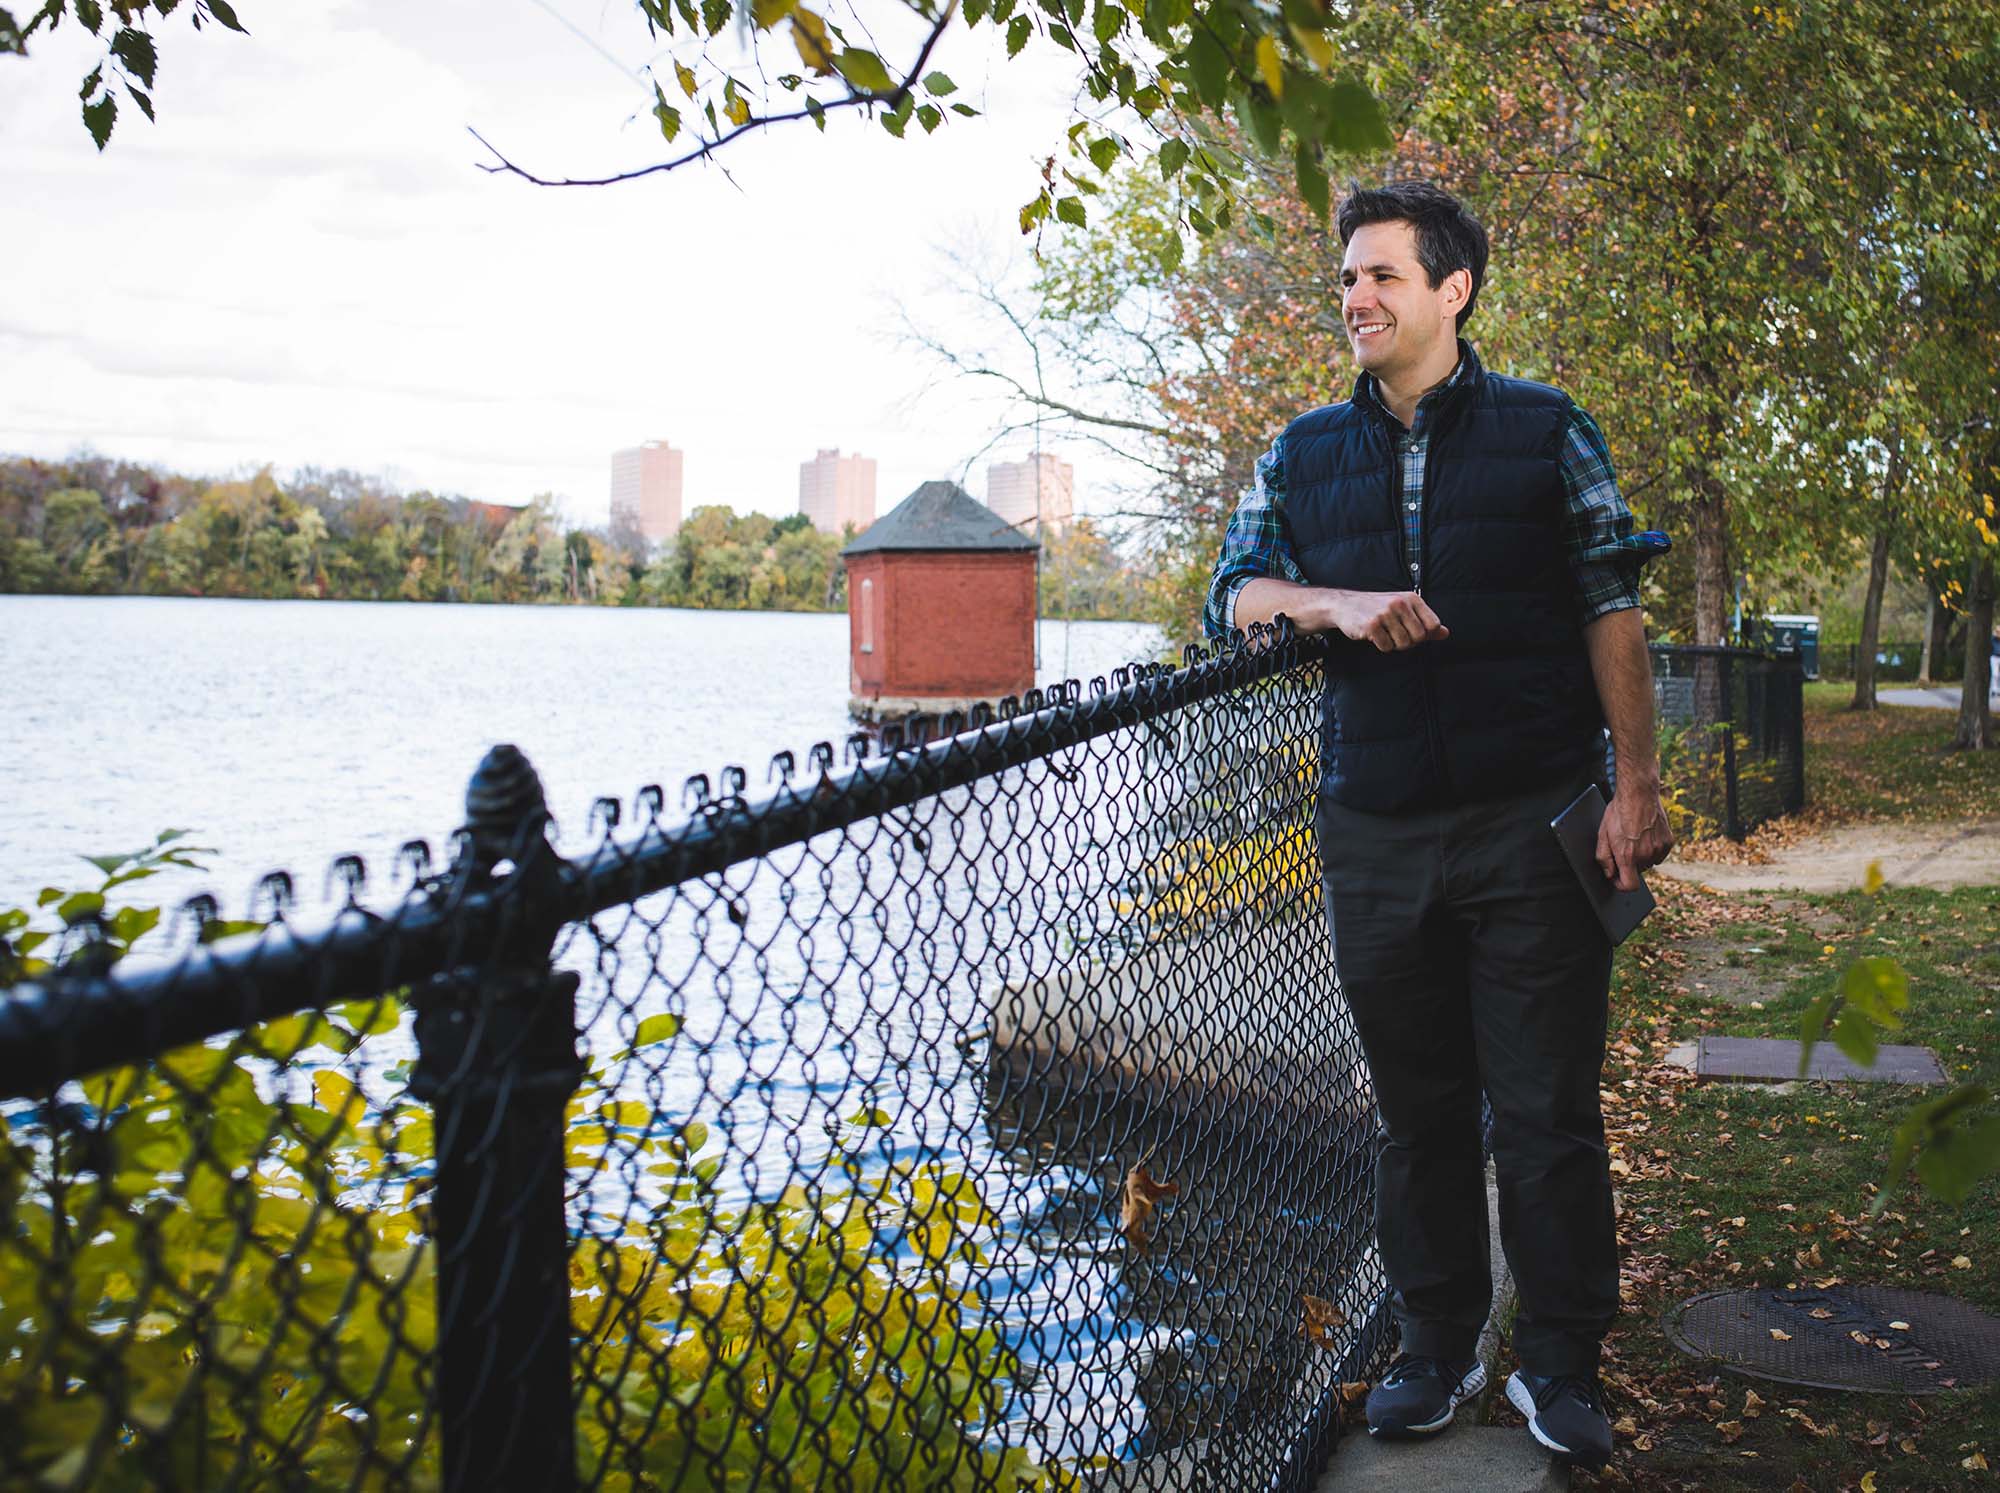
1931 696
1966 853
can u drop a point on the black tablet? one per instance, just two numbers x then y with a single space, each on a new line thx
1576 831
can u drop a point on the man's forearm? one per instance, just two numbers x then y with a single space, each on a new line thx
1262 599
1624 676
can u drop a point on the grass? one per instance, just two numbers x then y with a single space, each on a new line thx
1740 1186
1892 763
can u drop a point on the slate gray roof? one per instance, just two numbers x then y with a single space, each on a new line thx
940 516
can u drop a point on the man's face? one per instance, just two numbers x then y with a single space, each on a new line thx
1394 318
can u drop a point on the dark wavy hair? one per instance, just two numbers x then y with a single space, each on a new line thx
1448 237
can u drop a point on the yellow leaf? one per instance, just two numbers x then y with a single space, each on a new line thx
1975 1463
685 76
809 36
337 1096
736 108
1961 1262
1781 1335
1268 66
767 13
1314 44
1867 1482
1873 883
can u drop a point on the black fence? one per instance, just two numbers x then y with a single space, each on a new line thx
1732 737
975 1113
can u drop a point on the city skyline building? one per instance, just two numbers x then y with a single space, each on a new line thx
836 490
646 487
1041 484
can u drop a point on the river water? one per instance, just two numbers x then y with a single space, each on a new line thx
284 733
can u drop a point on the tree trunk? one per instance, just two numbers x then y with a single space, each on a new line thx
1975 716
1932 644
1871 621
1711 563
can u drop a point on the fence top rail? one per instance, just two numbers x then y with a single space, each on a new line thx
1714 650
82 1019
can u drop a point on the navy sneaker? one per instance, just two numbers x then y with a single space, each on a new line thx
1418 1395
1565 1413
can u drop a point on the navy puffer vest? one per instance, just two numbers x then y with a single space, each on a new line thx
1507 703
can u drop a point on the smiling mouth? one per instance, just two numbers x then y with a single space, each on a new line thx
1369 329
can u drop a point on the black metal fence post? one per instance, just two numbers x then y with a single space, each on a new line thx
496 1038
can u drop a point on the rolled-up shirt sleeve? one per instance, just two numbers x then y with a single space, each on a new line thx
1257 543
1605 555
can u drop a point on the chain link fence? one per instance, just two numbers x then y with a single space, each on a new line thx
1732 737
975 1112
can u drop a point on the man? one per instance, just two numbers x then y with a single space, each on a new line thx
1465 532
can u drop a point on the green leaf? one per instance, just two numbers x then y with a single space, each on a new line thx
91 14
714 15
1034 211
1313 189
764 14
1210 65
1959 1157
1070 210
668 116
1355 125
1812 1026
1200 223
929 116
939 84
1261 120
1854 1035
77 906
864 70
1017 35
1878 987
223 12
1173 155
966 109
1103 152
1107 22
90 81
134 49
145 103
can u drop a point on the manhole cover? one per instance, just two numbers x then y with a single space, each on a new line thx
1845 1337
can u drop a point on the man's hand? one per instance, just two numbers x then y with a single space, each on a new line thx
1391 620
1634 835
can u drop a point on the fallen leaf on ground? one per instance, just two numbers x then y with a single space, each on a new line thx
1781 1335
1321 1318
1962 1262
1353 1389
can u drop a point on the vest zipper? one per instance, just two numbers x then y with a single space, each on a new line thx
1429 674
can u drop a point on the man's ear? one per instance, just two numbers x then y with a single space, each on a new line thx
1457 289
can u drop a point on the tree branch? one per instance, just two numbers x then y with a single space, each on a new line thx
855 99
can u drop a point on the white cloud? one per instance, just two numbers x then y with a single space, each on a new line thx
301 261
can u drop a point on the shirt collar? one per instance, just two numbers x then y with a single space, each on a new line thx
1427 406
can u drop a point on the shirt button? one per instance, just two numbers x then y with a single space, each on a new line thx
1411 506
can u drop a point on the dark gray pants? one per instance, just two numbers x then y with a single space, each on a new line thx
1470 958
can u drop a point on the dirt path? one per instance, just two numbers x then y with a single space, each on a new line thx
1966 853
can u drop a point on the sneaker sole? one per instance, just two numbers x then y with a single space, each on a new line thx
1469 1386
1521 1400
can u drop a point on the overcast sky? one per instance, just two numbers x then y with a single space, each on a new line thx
301 262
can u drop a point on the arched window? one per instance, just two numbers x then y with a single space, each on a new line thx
868 616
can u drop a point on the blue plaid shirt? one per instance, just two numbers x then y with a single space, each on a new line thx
1604 553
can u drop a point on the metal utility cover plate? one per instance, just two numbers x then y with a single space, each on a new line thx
1942 1343
1777 1058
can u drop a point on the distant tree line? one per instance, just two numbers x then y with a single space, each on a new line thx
94 526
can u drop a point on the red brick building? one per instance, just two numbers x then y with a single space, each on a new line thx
940 607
